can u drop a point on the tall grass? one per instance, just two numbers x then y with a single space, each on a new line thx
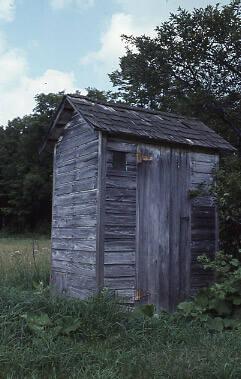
42 336
99 339
24 262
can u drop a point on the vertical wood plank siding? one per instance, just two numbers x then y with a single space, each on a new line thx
179 227
120 222
101 211
162 232
75 210
153 257
132 226
204 230
163 226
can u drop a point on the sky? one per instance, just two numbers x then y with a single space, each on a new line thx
54 45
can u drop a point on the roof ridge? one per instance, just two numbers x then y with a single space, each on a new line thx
131 107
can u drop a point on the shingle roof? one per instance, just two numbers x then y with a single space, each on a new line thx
144 124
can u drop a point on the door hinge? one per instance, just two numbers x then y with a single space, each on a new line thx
140 294
137 295
141 157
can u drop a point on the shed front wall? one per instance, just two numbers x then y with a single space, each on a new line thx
75 210
120 222
158 218
163 233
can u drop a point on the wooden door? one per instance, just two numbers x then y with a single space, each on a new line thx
163 235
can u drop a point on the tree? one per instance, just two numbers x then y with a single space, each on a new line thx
102 96
191 66
227 191
25 179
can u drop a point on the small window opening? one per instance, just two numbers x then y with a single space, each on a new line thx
119 161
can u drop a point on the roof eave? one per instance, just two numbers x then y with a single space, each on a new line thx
215 150
65 112
61 117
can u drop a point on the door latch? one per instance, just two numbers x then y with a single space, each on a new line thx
141 157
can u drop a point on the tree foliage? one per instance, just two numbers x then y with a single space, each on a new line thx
191 66
25 177
227 191
98 95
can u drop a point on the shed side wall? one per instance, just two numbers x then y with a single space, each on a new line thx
204 225
74 210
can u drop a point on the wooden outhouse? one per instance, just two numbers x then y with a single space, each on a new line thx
131 206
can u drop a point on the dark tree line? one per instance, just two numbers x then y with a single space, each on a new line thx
25 177
192 66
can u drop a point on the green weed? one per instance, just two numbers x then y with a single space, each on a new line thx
24 262
42 336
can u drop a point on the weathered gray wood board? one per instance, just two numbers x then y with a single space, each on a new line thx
179 227
131 210
163 251
204 228
134 230
74 210
153 230
101 197
120 222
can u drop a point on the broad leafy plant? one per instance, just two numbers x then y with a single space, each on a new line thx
219 305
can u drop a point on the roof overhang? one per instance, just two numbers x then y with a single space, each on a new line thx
61 118
69 105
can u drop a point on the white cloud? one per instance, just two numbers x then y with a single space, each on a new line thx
7 10
18 88
106 58
80 4
135 17
149 13
111 43
20 100
3 42
12 65
154 12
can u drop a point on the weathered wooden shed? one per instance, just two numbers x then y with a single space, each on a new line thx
130 206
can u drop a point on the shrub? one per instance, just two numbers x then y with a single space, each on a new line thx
220 304
227 191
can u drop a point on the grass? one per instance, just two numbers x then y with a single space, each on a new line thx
42 336
24 261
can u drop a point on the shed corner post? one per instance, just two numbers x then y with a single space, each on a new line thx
101 183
